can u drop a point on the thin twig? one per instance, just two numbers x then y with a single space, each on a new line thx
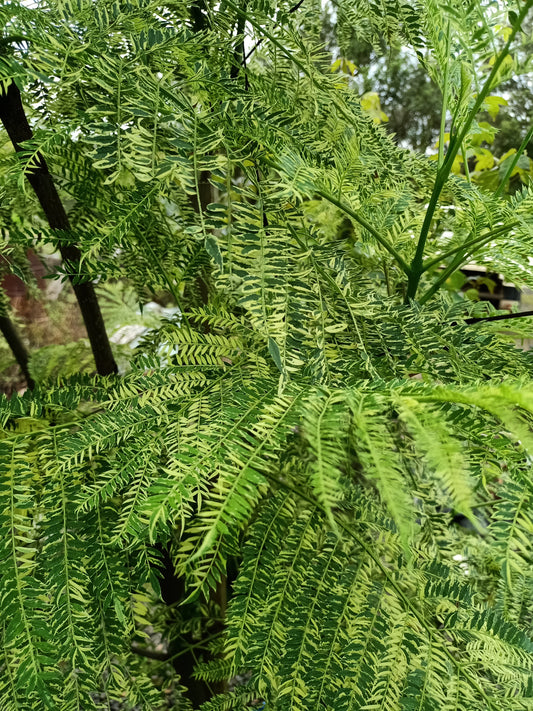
260 42
502 317
10 333
150 653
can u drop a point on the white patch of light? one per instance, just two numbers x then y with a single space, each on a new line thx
462 563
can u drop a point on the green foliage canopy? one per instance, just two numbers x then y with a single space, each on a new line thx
320 406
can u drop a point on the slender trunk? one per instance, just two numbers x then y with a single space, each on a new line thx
10 333
198 13
180 650
13 117
173 587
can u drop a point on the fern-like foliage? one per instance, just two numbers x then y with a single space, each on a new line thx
316 419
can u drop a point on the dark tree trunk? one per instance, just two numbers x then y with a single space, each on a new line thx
183 660
13 117
10 333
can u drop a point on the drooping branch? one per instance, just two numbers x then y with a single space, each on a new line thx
364 223
15 122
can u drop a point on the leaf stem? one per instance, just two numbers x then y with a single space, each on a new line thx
480 239
516 158
455 264
171 286
361 220
331 281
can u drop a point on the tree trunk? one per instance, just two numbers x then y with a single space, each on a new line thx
13 117
10 333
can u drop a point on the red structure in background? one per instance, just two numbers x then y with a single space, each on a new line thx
25 306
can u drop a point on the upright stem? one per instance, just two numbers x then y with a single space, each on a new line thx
444 109
454 146
416 264
465 163
13 117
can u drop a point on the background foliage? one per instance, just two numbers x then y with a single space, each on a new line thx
313 458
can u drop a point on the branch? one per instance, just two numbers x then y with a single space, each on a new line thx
502 317
239 50
476 241
361 220
13 117
10 333
150 653
455 144
294 8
